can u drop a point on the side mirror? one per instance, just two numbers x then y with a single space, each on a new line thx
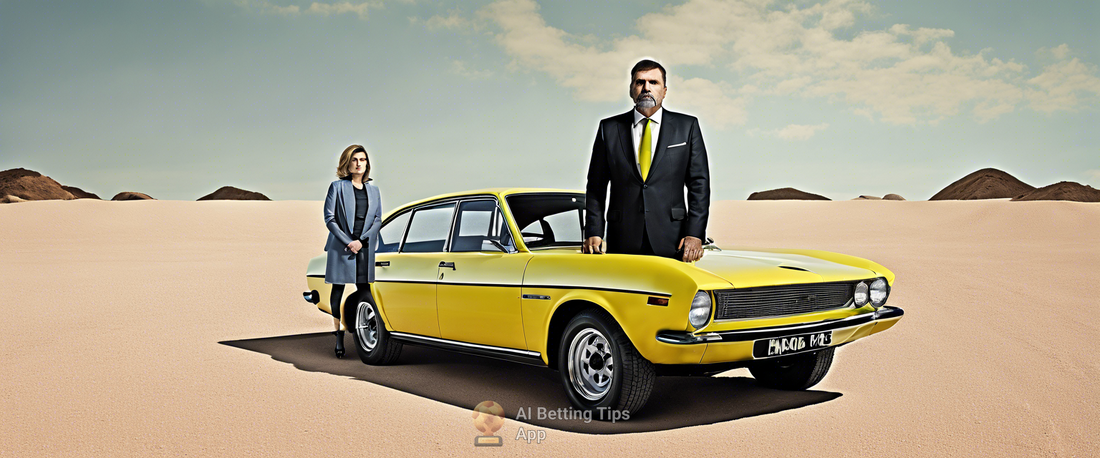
708 244
498 246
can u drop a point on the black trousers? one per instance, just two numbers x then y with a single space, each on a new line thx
362 291
648 249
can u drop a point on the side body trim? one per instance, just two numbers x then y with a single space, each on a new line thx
508 354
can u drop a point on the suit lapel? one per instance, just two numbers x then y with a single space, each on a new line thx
372 195
626 122
668 130
349 205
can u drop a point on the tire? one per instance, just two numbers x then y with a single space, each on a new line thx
611 391
372 341
795 372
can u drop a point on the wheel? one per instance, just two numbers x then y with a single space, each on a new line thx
600 368
795 372
372 340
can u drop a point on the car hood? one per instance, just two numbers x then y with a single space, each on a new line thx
746 269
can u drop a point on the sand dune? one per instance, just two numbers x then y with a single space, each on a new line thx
785 194
1063 190
232 193
177 328
984 184
129 195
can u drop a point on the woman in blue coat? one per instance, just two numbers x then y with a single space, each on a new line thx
353 214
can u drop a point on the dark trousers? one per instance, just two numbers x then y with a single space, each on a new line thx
647 248
362 291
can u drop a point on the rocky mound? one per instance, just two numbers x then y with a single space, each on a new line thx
79 193
126 195
231 193
1063 190
785 194
30 185
984 184
886 197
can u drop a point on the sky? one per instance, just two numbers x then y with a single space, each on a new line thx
840 98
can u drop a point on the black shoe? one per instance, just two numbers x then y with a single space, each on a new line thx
339 344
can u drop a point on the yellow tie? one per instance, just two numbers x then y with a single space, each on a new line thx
644 150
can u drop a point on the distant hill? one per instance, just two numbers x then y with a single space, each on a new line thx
80 193
127 195
231 193
30 185
886 197
984 184
1064 190
785 194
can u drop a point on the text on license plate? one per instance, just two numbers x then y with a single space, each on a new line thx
780 346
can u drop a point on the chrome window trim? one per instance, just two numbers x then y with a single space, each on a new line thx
512 222
401 241
454 218
427 206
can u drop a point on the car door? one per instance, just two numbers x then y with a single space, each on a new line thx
405 281
478 295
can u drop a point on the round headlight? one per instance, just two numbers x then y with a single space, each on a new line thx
879 291
700 310
861 294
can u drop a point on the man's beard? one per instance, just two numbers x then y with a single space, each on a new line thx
645 101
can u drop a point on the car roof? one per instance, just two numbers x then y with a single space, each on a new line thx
497 192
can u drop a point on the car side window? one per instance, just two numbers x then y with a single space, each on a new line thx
428 229
389 236
478 224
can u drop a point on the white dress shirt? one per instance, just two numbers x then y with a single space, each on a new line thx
638 128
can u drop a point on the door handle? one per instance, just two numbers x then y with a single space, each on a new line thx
382 264
447 264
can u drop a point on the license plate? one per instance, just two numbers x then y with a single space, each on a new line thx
781 346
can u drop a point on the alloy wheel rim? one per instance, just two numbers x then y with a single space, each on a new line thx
591 364
366 328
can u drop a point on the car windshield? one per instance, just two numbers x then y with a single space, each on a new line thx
548 220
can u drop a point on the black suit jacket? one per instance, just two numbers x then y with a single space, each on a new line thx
657 204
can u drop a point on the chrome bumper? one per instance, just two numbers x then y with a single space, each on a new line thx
743 335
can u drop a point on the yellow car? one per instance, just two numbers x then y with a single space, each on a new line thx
499 273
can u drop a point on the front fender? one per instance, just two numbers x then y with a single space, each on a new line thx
621 285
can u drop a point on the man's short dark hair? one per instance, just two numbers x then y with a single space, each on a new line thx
646 64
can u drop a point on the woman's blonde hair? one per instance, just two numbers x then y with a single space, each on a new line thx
345 162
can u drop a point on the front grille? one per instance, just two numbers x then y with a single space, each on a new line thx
769 301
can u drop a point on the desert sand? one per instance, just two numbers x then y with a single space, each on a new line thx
178 328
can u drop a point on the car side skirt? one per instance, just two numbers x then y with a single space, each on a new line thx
533 358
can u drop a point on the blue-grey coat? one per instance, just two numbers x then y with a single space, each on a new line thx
340 220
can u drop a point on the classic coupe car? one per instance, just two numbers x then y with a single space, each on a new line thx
499 273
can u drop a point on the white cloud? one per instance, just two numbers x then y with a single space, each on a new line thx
1059 52
326 9
708 100
1095 174
794 132
453 21
900 75
1058 87
461 68
315 8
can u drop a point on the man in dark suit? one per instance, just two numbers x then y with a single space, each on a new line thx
649 156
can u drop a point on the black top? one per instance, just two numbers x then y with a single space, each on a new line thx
360 212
